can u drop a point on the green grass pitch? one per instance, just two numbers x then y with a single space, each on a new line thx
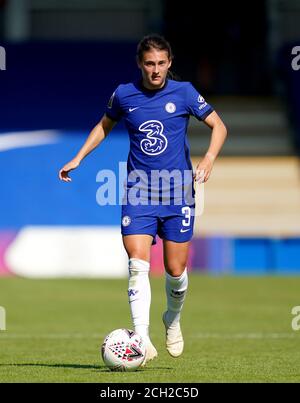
236 329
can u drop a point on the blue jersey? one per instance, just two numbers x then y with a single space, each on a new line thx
157 122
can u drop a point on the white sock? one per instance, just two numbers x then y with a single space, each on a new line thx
139 294
176 288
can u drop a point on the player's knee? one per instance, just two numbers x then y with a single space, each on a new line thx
175 268
138 254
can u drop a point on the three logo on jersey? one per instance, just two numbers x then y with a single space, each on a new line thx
155 142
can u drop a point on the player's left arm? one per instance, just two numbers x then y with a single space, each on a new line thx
218 136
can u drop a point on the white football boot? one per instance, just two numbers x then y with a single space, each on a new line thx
151 353
174 339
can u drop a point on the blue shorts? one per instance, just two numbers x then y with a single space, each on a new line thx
173 223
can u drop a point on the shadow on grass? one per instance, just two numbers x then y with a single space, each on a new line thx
72 366
100 368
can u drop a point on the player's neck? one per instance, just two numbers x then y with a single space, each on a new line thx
150 87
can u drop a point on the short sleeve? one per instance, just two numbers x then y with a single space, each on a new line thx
196 104
113 108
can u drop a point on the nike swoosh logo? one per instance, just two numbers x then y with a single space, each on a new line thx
185 230
133 109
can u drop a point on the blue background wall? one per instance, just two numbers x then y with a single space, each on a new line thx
32 194
61 85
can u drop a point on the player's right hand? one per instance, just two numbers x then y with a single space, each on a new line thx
64 172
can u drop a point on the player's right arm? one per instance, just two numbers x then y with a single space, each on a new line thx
96 136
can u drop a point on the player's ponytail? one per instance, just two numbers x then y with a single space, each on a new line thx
173 76
157 42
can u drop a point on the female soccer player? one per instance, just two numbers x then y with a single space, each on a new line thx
156 110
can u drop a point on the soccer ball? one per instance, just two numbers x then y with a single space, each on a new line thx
123 350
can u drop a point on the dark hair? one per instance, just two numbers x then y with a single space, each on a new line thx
155 41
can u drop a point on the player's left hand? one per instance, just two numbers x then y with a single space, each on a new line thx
203 170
